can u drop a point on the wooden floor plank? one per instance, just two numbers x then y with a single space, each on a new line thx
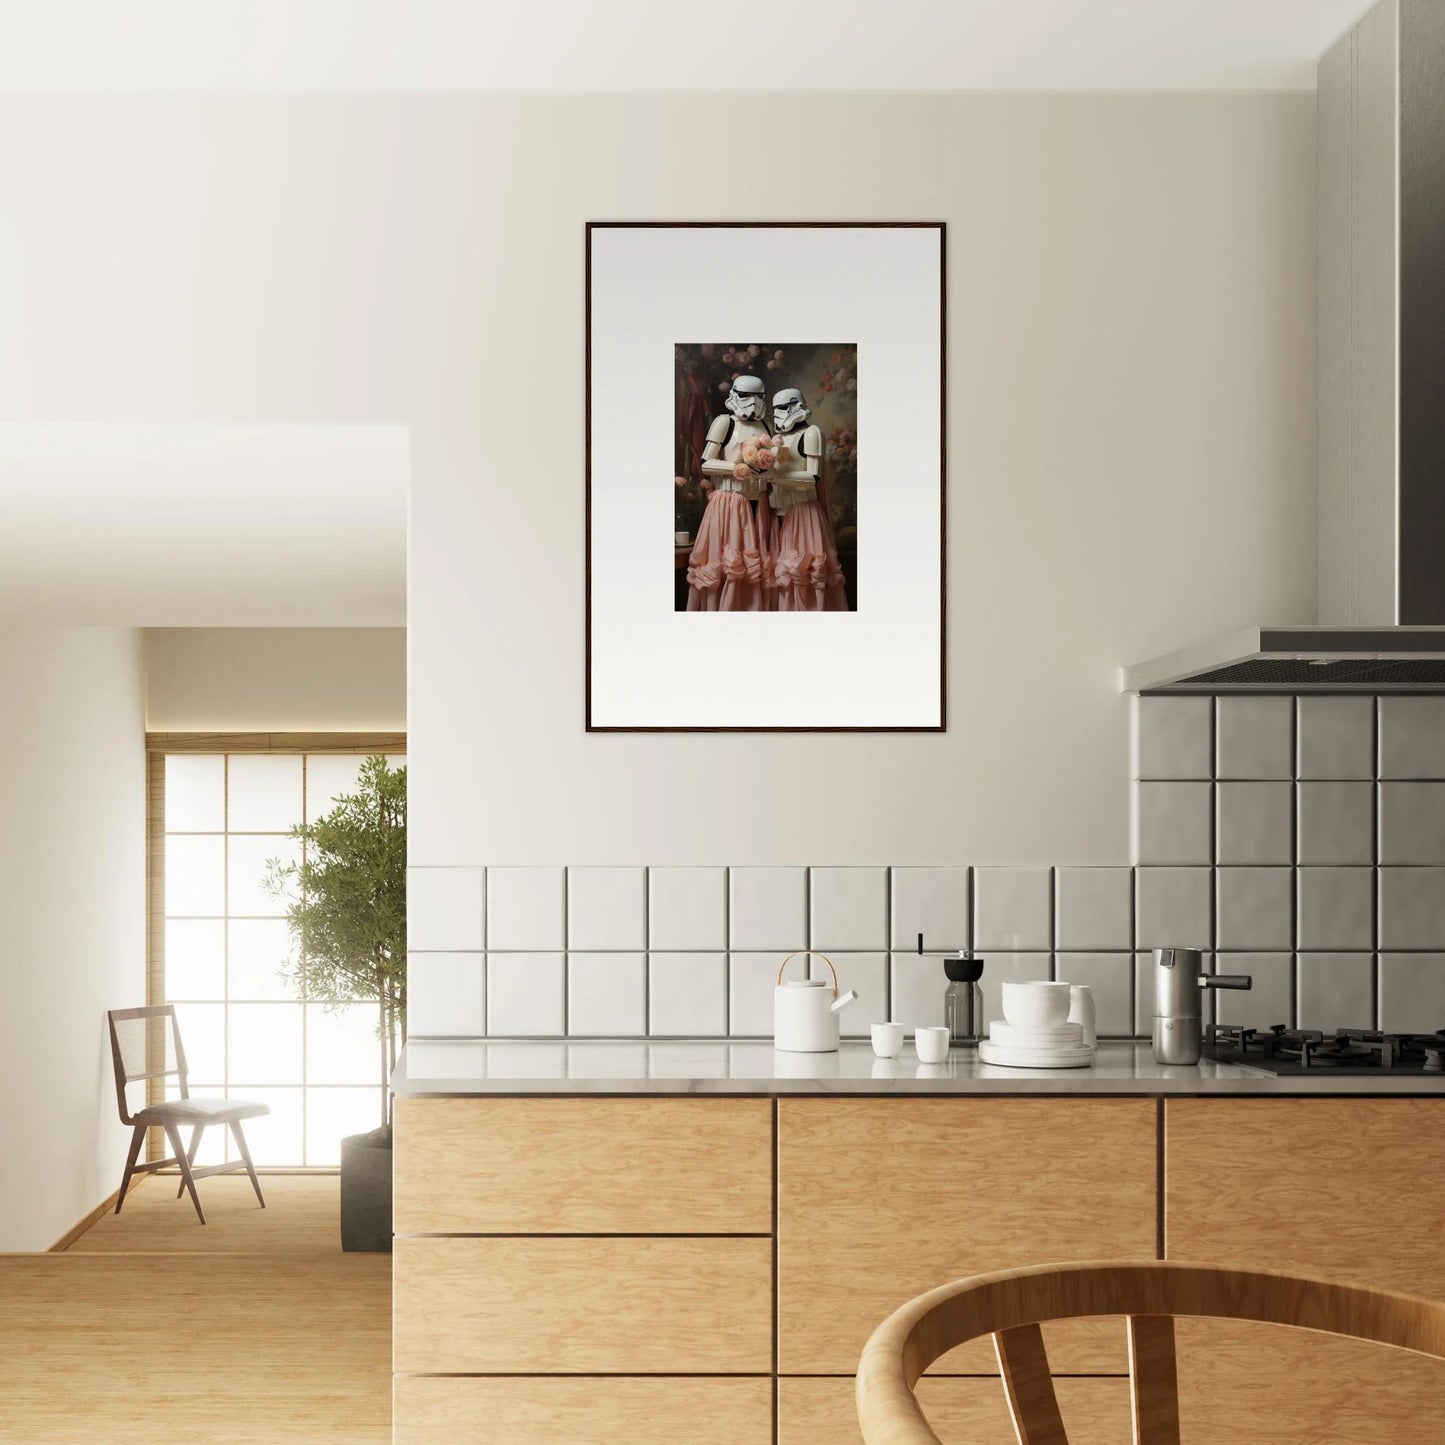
243 1333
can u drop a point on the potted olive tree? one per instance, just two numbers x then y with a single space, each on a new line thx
346 909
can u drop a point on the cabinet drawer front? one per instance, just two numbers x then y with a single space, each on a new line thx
584 1166
881 1199
1243 1381
1351 1189
823 1412
582 1411
583 1306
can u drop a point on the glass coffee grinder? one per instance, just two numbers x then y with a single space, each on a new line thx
963 998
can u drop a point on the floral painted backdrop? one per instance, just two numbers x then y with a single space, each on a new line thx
827 375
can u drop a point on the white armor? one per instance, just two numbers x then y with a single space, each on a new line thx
748 403
796 479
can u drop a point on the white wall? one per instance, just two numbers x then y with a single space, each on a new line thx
239 679
72 897
1131 428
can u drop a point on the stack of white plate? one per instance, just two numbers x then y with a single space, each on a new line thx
1034 1033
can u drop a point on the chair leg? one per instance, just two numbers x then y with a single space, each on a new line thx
191 1155
173 1133
136 1140
246 1155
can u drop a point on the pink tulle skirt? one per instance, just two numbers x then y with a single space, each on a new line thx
725 571
804 562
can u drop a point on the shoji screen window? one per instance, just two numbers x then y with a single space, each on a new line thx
228 955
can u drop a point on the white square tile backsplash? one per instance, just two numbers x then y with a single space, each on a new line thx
1412 992
1254 737
1335 991
1110 978
752 977
607 908
1173 823
1336 909
848 908
768 908
1012 908
446 995
1335 823
1412 737
607 994
1173 737
1335 737
1412 908
916 990
1173 908
1254 909
444 909
687 908
526 908
1254 823
1315 830
688 994
526 994
1094 909
933 902
1412 823
1270 996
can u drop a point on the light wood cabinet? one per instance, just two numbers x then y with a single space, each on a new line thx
1347 1189
582 1306
584 1166
608 1270
969 1410
881 1199
587 1410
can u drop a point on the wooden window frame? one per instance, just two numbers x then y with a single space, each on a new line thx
158 745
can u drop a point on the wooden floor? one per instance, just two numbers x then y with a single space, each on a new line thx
252 1330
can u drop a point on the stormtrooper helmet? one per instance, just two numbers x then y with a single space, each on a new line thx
789 410
748 399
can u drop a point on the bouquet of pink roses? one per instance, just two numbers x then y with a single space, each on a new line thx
759 457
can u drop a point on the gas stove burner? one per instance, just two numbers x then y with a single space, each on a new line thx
1281 1049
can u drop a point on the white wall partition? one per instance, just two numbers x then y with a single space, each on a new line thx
1131 411
72 897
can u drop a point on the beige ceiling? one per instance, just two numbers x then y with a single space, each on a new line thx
156 526
669 44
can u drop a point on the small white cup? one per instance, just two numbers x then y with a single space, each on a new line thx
887 1040
682 539
931 1044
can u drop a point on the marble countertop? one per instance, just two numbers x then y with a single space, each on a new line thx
722 1066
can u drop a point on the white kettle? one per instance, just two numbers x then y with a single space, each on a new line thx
805 1010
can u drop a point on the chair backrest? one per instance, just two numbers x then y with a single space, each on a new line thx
145 1044
1011 1305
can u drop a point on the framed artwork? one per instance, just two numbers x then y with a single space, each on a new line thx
773 396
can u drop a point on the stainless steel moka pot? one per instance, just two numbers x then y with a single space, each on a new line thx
1179 984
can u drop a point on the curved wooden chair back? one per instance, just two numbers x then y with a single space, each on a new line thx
1011 1305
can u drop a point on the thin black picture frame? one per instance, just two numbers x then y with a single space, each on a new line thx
942 228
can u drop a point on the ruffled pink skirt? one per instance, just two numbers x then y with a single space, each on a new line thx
725 571
805 566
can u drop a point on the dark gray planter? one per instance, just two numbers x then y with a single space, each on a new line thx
366 1193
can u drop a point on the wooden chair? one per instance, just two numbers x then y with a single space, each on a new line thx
145 1043
1011 1304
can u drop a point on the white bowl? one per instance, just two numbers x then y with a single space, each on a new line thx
1031 1004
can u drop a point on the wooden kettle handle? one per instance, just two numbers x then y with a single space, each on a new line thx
810 953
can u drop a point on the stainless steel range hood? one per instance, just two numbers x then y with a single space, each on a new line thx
1381 587
1302 659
